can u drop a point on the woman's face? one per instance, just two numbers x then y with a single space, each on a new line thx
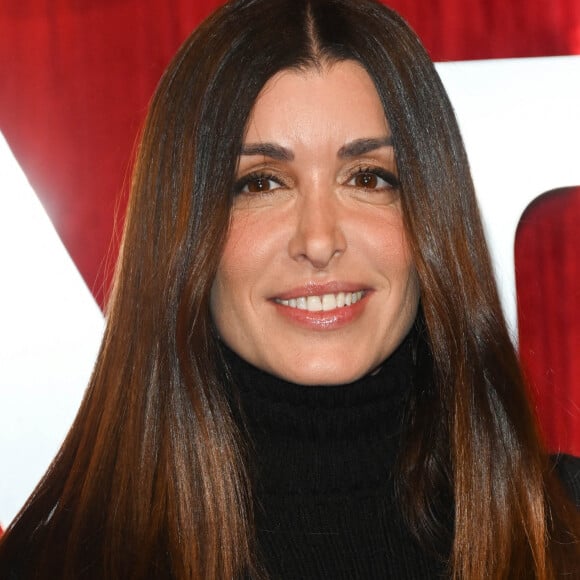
316 283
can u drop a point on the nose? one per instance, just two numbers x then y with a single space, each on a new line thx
318 236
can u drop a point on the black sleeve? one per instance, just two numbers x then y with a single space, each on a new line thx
568 470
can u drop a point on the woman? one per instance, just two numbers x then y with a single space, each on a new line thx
305 372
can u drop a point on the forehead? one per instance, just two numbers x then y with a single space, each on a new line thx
337 100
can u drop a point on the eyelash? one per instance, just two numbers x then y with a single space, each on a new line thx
255 176
390 178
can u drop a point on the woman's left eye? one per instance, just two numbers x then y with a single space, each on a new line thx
374 179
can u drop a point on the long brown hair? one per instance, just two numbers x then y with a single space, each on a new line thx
150 481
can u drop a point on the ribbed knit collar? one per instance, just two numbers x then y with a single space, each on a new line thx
323 441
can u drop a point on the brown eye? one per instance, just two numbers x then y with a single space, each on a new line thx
374 179
257 183
367 180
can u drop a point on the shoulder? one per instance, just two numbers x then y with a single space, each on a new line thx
568 469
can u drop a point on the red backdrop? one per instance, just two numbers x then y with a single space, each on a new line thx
547 262
76 77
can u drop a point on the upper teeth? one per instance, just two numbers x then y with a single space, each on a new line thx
324 302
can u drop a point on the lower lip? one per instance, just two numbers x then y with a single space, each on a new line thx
324 319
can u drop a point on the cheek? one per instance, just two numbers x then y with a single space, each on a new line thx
406 274
238 272
218 304
388 245
227 286
229 305
413 290
409 278
223 287
384 240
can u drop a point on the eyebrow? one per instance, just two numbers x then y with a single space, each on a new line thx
352 149
362 146
270 150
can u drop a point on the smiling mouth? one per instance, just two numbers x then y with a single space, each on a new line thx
323 302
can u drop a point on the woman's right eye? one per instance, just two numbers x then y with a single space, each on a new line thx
257 183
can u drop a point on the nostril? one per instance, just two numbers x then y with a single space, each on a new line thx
318 235
319 248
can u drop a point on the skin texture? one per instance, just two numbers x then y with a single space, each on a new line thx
315 214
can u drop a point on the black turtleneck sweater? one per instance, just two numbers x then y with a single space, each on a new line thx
323 474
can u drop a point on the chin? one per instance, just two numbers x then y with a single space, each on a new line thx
323 373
